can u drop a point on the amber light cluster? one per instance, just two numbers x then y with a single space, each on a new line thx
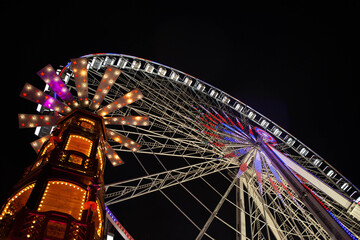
34 120
49 76
127 142
112 156
79 144
17 196
63 197
37 96
123 101
128 120
37 144
107 81
79 68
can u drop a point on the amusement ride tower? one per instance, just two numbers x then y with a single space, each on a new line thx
194 136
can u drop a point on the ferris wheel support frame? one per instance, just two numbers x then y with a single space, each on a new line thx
311 202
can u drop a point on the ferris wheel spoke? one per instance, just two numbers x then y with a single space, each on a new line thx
216 210
128 189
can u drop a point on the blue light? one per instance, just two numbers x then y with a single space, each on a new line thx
341 225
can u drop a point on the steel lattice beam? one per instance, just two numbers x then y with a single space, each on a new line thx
137 187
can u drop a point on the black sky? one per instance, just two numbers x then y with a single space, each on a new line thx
296 63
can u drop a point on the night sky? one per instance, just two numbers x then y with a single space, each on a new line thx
296 63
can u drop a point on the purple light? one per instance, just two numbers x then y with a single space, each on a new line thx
49 76
266 136
35 95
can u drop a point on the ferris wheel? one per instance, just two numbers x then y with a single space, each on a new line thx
243 175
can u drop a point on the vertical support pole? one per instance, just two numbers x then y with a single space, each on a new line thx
315 207
240 211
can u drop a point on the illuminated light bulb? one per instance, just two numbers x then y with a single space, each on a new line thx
83 72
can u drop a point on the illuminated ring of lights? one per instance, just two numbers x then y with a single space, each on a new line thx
266 136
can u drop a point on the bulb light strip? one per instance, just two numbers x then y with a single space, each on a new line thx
6 208
37 144
34 120
99 213
35 95
112 155
117 224
331 214
77 137
49 185
107 81
87 120
101 160
124 141
49 76
123 101
79 68
128 120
